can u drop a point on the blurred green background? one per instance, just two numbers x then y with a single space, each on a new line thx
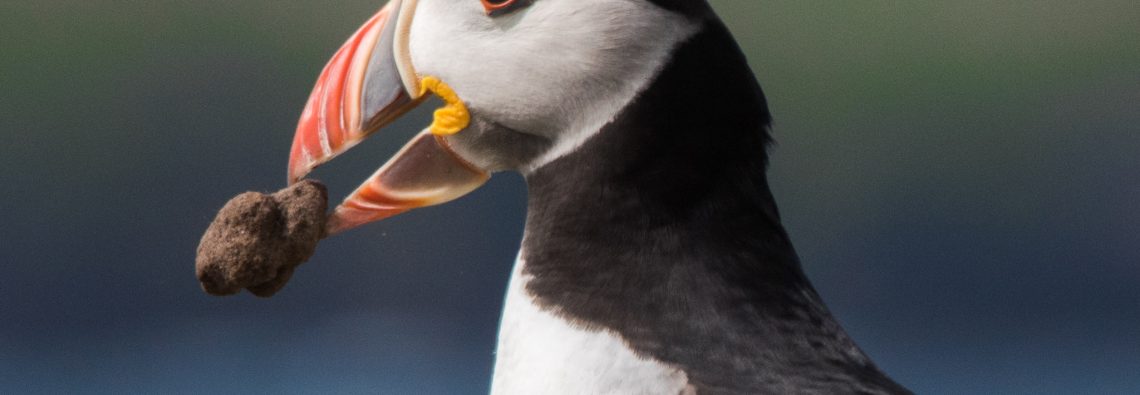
961 179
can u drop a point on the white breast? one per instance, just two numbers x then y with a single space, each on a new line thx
541 353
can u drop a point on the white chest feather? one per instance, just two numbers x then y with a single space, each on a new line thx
541 353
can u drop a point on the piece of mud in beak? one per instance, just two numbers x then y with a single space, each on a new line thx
425 172
357 93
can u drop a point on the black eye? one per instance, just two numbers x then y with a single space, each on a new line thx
499 7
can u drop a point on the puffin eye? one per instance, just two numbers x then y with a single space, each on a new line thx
499 7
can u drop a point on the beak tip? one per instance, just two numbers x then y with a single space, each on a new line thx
345 217
301 163
295 176
335 226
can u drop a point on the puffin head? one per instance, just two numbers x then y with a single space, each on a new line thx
523 82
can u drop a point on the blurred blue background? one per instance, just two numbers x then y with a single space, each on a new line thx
961 178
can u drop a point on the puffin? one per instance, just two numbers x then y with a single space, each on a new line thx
653 260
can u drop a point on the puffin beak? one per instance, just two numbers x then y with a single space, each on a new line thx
368 84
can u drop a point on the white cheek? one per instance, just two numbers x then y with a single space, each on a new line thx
561 68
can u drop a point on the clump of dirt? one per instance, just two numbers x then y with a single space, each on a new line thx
257 240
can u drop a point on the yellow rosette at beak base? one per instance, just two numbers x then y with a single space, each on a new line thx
453 116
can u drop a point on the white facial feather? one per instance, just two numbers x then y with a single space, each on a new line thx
558 68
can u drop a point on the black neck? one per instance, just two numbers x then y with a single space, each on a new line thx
662 228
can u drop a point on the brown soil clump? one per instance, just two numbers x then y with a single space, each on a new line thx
257 240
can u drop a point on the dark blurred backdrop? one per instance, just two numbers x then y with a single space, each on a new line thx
960 177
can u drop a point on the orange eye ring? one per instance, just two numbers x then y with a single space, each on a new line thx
497 7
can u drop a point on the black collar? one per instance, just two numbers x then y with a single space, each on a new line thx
662 228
